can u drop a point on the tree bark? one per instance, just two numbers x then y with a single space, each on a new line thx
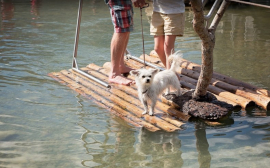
207 35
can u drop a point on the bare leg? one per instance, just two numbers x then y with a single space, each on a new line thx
123 67
117 52
169 46
159 48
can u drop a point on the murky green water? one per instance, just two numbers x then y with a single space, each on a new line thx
45 124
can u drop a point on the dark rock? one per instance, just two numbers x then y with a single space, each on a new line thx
207 107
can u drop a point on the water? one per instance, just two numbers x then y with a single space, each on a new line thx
45 124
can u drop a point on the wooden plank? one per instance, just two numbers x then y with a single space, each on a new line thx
196 67
133 63
259 99
123 104
116 110
222 99
161 106
125 93
123 101
243 102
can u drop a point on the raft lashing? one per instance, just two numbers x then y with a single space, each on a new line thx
123 101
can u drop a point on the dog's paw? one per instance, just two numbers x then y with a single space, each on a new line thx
151 113
145 112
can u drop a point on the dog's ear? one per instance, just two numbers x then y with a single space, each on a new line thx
134 73
154 71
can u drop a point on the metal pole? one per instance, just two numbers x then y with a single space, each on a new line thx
142 38
74 61
214 8
129 56
91 77
147 5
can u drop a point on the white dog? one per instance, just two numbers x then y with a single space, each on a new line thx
151 83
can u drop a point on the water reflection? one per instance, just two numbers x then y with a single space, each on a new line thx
143 149
7 12
43 124
204 156
161 149
242 33
35 6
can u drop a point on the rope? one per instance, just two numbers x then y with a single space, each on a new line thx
142 39
142 33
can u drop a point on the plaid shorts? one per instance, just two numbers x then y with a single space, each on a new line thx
122 15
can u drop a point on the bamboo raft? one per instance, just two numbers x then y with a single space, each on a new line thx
123 101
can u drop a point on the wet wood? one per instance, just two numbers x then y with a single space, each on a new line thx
126 105
154 59
222 99
133 90
196 67
211 110
260 100
257 95
243 102
114 109
137 65
122 101
127 94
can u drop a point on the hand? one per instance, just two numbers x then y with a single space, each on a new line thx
138 3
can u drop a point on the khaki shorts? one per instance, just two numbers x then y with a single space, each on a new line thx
167 24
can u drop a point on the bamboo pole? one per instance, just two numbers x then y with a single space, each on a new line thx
133 90
196 67
163 107
153 59
124 104
222 99
124 93
114 109
192 86
260 100
243 102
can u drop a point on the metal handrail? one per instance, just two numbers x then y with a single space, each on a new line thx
129 56
74 61
214 8
217 3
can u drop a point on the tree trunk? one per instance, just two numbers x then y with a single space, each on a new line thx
208 42
207 36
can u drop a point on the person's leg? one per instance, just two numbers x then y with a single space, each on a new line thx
117 52
122 20
157 29
123 68
173 26
159 48
169 46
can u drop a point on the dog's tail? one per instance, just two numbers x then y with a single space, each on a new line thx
175 60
